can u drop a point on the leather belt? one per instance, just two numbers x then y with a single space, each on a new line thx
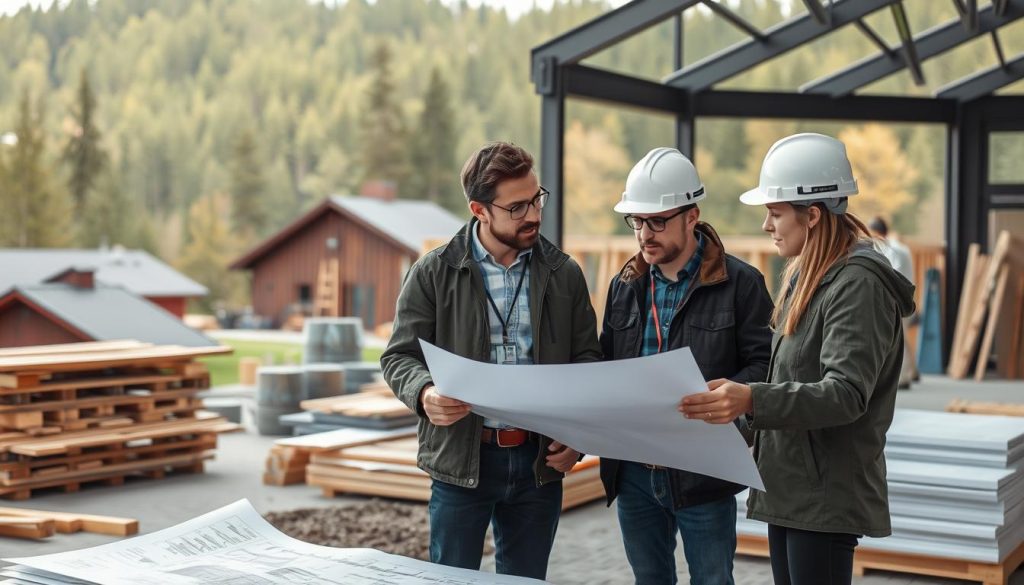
504 437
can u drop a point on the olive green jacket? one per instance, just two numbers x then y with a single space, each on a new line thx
821 419
442 301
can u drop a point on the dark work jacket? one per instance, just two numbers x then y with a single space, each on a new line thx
723 319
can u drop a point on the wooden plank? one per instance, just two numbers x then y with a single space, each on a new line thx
94 383
68 348
994 408
982 301
994 311
960 360
342 438
963 312
40 528
109 359
70 522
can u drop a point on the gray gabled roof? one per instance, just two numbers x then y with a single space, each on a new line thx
108 312
408 221
135 270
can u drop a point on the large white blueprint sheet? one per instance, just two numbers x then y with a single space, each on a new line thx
623 409
236 545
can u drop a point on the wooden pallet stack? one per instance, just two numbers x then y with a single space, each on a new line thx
100 412
991 311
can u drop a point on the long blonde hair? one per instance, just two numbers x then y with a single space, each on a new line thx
830 241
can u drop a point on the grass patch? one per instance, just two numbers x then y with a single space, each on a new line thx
224 368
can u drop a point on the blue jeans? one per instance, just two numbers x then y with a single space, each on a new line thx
524 517
649 527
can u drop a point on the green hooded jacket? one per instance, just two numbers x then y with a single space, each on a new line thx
821 419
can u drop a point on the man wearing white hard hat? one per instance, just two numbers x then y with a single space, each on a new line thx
820 419
681 289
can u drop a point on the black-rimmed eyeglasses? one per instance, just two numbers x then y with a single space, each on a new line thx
518 211
655 224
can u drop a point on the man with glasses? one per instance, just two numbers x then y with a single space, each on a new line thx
497 292
680 290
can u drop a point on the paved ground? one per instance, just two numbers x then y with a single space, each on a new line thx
588 549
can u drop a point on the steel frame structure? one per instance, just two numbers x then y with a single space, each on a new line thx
967 108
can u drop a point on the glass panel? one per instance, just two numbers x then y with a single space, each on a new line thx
1006 155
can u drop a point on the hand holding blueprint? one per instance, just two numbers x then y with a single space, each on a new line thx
623 409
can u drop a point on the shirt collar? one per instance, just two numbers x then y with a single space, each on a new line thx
480 253
690 268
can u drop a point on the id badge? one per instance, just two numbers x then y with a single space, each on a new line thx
506 353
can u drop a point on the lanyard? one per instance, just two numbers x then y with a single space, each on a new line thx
654 313
512 305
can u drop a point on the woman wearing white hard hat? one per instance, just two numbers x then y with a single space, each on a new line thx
821 418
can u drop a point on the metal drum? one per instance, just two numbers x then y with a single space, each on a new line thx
322 380
333 340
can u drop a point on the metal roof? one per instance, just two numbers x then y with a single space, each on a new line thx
108 312
410 222
135 270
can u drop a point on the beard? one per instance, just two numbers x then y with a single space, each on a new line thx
660 253
518 239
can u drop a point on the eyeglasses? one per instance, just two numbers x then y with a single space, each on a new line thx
655 224
518 211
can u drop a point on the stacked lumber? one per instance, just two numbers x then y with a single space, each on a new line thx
100 412
991 308
34 524
388 468
288 458
956 498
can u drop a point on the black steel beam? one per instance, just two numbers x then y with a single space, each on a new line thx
734 19
604 31
1005 196
873 36
971 16
928 44
1001 6
815 9
605 86
778 40
998 46
984 82
741 104
899 16
552 156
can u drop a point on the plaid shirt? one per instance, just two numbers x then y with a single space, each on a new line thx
667 297
501 284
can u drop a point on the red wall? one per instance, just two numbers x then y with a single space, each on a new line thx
365 258
173 305
21 325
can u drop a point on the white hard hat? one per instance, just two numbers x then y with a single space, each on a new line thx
663 179
804 169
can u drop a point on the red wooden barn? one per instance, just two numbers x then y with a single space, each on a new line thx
374 240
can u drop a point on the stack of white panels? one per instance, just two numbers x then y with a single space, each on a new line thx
956 488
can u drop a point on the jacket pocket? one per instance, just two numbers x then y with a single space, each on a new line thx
811 463
626 327
712 338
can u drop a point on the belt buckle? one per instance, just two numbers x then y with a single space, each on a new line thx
653 467
497 438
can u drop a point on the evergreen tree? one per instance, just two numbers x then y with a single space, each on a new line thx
383 128
83 152
249 212
209 250
108 217
37 212
433 149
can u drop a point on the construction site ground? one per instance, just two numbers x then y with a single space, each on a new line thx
588 548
